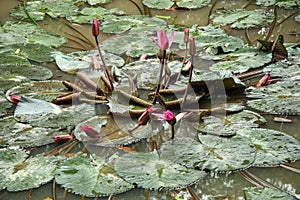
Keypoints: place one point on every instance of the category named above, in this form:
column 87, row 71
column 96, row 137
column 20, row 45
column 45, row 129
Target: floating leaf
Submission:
column 32, row 173
column 130, row 45
column 87, row 14
column 297, row 18
column 273, row 147
column 112, row 132
column 90, row 177
column 287, row 4
column 193, row 3
column 94, row 2
column 230, row 124
column 213, row 153
column 139, row 24
column 9, row 157
column 43, row 90
column 242, row 18
column 38, row 9
column 23, row 32
column 266, row 194
column 149, row 171
column 158, row 4
column 280, row 97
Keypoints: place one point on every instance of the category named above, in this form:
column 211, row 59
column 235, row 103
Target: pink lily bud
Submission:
column 281, row 119
column 186, row 35
column 90, row 131
column 167, row 116
column 144, row 118
column 60, row 139
column 265, row 80
column 15, row 99
column 143, row 56
column 192, row 47
column 162, row 40
column 95, row 28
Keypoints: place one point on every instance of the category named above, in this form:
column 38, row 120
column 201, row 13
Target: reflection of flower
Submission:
column 162, row 40
column 95, row 28
column 90, row 131
column 60, row 139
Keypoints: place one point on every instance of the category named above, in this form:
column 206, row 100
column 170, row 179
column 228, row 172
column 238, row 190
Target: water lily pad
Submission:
column 139, row 24
column 149, row 171
column 213, row 153
column 87, row 14
column 242, row 18
column 9, row 157
column 38, row 9
column 91, row 177
column 230, row 124
column 266, row 194
column 297, row 18
column 193, row 3
column 287, row 4
column 131, row 45
column 23, row 32
column 94, row 2
column 29, row 72
column 273, row 147
column 83, row 60
column 43, row 90
column 158, row 4
column 112, row 132
column 278, row 98
column 32, row 173
column 29, row 109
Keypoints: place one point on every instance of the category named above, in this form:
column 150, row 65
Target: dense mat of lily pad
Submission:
column 95, row 2
column 242, row 18
column 273, row 147
column 213, row 153
column 90, row 176
column 278, row 98
column 32, row 173
column 24, row 32
column 266, row 194
column 165, row 4
column 43, row 90
column 287, row 4
column 150, row 171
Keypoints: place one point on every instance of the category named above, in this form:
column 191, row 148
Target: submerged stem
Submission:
column 163, row 60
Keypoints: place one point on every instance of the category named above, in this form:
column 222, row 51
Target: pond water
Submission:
column 215, row 186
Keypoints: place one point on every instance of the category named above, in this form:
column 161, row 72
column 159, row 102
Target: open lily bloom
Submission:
column 169, row 116
column 162, row 40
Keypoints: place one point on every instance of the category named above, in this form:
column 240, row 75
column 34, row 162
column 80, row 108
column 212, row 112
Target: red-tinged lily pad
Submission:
column 273, row 147
column 150, row 171
column 90, row 176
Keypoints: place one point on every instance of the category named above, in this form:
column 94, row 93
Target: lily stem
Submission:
column 163, row 60
column 173, row 131
column 189, row 81
column 104, row 65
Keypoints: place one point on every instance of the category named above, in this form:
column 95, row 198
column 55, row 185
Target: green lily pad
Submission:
column 158, row 4
column 83, row 60
column 38, row 9
column 287, row 4
column 23, row 32
column 14, row 133
column 32, row 173
column 11, row 156
column 4, row 106
column 29, row 72
column 43, row 90
column 130, row 45
column 149, row 171
column 273, row 147
column 242, row 18
column 193, row 3
column 266, row 194
column 213, row 153
column 112, row 132
column 278, row 98
column 297, row 18
column 94, row 2
column 230, row 124
column 139, row 24
column 87, row 14
column 91, row 177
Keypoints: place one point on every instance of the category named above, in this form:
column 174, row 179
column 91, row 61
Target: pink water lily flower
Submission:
column 162, row 40
column 90, row 131
column 14, row 99
column 144, row 118
column 265, row 80
column 60, row 139
column 95, row 28
column 186, row 35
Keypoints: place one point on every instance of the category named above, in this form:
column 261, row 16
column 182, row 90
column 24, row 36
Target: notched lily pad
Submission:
column 213, row 153
column 91, row 177
column 149, row 171
column 266, row 194
column 287, row 4
column 242, row 18
column 273, row 147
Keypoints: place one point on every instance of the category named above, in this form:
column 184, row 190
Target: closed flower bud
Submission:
column 60, row 139
column 144, row 118
column 95, row 28
column 90, row 131
column 186, row 35
column 192, row 47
